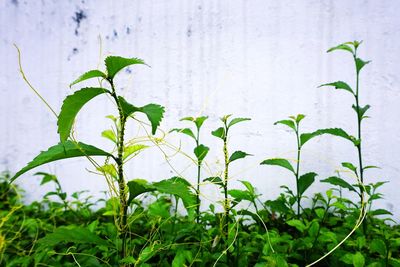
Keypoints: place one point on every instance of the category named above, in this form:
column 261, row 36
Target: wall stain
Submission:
column 14, row 2
column 189, row 31
column 79, row 16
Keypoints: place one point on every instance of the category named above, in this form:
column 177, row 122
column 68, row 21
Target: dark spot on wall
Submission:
column 115, row 34
column 139, row 19
column 14, row 2
column 79, row 16
column 189, row 31
column 199, row 7
column 128, row 70
column 75, row 50
column 128, row 30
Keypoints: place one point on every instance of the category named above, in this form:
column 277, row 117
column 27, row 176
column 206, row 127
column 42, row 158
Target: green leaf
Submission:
column 199, row 121
column 237, row 120
column 214, row 180
column 46, row 177
column 114, row 64
column 201, row 152
column 249, row 187
column 361, row 111
column 110, row 135
column 279, row 162
column 133, row 149
column 339, row 182
column 360, row 64
column 182, row 257
column 358, row 260
column 305, row 181
column 240, row 195
column 138, row 187
column 339, row 85
column 341, row 47
column 333, row 131
column 313, row 229
column 378, row 246
column 220, row 133
column 349, row 166
column 299, row 118
column 178, row 187
column 289, row 123
column 186, row 131
column 65, row 150
column 89, row 75
column 299, row 225
column 77, row 235
column 238, row 155
column 71, row 106
column 380, row 212
column 109, row 169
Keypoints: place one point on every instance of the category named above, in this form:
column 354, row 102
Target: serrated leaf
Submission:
column 46, row 177
column 305, row 181
column 138, row 187
column 339, row 182
column 65, row 150
column 358, row 260
column 237, row 120
column 220, row 133
column 110, row 135
column 339, row 85
column 133, row 149
column 360, row 64
column 238, row 155
column 89, row 75
column 186, row 131
column 77, row 235
column 341, row 47
column 289, row 123
column 378, row 246
column 279, row 162
column 201, row 152
column 333, row 131
column 214, row 180
column 115, row 63
column 299, row 225
column 71, row 106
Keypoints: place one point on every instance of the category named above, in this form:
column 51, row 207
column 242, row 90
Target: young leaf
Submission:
column 289, row 123
column 71, row 106
column 360, row 64
column 339, row 182
column 279, row 162
column 220, row 133
column 237, row 120
column 46, row 177
column 358, row 260
column 299, row 118
column 380, row 212
column 339, row 85
column 110, row 135
column 240, row 195
column 108, row 169
column 65, row 150
column 89, row 75
column 333, row 131
column 305, row 181
column 238, row 155
column 299, row 225
column 114, row 64
column 214, row 180
column 378, row 246
column 186, row 131
column 133, row 149
column 201, row 152
column 341, row 47
column 349, row 166
column 249, row 186
column 137, row 187
column 199, row 121
column 78, row 235
column 361, row 110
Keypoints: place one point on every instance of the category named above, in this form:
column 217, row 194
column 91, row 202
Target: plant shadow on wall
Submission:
column 138, row 223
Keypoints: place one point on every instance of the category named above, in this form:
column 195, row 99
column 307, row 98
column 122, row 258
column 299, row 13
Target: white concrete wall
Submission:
column 258, row 59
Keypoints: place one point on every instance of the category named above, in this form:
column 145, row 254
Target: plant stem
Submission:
column 226, row 200
column 121, row 181
column 198, row 180
column 298, row 169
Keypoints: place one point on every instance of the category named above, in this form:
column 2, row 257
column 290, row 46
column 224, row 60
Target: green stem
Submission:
column 198, row 181
column 226, row 200
column 297, row 170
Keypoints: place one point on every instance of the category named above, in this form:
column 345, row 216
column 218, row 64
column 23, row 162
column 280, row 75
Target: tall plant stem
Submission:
column 122, row 220
column 198, row 181
column 298, row 170
column 226, row 200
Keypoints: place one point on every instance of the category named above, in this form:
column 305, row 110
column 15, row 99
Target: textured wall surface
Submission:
column 258, row 59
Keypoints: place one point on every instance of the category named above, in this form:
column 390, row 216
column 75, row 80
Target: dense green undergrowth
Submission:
column 139, row 223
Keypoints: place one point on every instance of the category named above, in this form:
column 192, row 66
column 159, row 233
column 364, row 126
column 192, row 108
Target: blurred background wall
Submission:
column 258, row 59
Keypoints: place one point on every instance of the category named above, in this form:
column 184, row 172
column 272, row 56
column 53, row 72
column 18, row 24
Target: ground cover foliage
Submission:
column 138, row 223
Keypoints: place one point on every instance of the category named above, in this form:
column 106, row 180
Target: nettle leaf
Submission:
column 153, row 112
column 77, row 235
column 114, row 64
column 237, row 120
column 358, row 260
column 360, row 64
column 186, row 131
column 361, row 110
column 65, row 150
column 240, row 195
column 299, row 225
column 138, row 187
column 333, row 131
column 133, row 149
column 289, row 123
column 341, row 47
column 201, row 152
column 339, row 85
column 46, row 177
column 181, row 188
column 214, row 180
column 110, row 135
column 305, row 181
column 71, row 106
column 339, row 182
column 220, row 133
column 89, row 75
column 349, row 166
column 279, row 162
column 378, row 246
column 238, row 155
